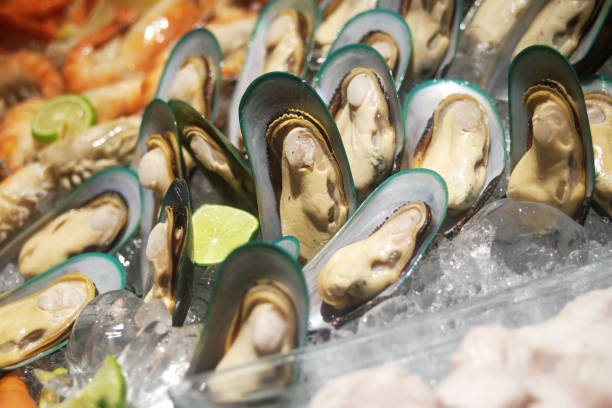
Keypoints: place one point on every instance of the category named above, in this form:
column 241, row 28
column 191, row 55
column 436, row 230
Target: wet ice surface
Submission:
column 10, row 277
column 129, row 257
column 505, row 245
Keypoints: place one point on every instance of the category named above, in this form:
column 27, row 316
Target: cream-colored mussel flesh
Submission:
column 430, row 24
column 559, row 25
column 456, row 145
column 165, row 245
column 312, row 202
column 386, row 47
column 494, row 19
column 334, row 17
column 361, row 113
column 195, row 83
column 360, row 271
column 215, row 159
column 286, row 45
column 160, row 165
column 265, row 324
column 94, row 226
column 599, row 109
column 43, row 318
column 552, row 170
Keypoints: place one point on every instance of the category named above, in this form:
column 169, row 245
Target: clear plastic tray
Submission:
column 422, row 345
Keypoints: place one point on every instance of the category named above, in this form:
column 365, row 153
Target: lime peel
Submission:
column 218, row 230
column 61, row 116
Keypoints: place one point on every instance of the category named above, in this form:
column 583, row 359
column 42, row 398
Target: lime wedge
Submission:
column 62, row 116
column 107, row 389
column 218, row 230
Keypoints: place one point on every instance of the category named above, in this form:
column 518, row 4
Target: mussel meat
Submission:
column 361, row 112
column 456, row 145
column 166, row 244
column 195, row 83
column 552, row 170
column 94, row 225
column 307, row 180
column 286, row 43
column 160, row 165
column 43, row 318
column 386, row 46
column 362, row 270
column 599, row 110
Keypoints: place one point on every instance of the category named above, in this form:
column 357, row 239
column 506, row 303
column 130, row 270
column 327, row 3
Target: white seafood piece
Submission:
column 460, row 124
column 195, row 83
column 599, row 109
column 559, row 25
column 494, row 19
column 161, row 164
column 363, row 269
column 20, row 193
column 552, row 170
column 335, row 15
column 287, row 43
column 38, row 320
column 94, row 225
column 363, row 119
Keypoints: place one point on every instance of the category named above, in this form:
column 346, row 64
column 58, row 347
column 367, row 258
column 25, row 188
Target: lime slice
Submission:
column 107, row 389
column 61, row 116
column 218, row 230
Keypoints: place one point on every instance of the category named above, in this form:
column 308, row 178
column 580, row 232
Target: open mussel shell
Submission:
column 240, row 194
column 419, row 108
column 401, row 188
column 200, row 42
column 531, row 66
column 339, row 64
column 119, row 180
column 246, row 265
column 455, row 31
column 266, row 98
column 290, row 245
column 105, row 272
column 379, row 21
column 254, row 62
column 598, row 94
column 178, row 202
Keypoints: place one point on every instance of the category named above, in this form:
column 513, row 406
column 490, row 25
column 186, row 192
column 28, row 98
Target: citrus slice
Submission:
column 107, row 389
column 218, row 230
column 62, row 116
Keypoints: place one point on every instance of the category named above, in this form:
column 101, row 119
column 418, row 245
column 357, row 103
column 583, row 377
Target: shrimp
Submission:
column 22, row 20
column 24, row 74
column 118, row 99
column 17, row 146
column 106, row 56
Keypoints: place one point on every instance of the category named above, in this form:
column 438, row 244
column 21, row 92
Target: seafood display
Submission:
column 359, row 141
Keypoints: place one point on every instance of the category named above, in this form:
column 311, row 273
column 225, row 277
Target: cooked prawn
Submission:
column 23, row 20
column 25, row 74
column 107, row 56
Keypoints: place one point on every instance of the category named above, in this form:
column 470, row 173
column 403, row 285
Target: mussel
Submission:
column 287, row 42
column 312, row 204
column 552, row 170
column 42, row 318
column 93, row 225
column 259, row 307
column 302, row 177
column 360, row 271
column 374, row 252
column 385, row 45
column 169, row 249
column 161, row 164
column 36, row 317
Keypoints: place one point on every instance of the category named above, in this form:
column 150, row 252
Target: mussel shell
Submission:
column 397, row 190
column 265, row 98
column 243, row 267
column 529, row 67
column 419, row 107
column 178, row 200
column 290, row 245
column 200, row 42
column 254, row 60
column 105, row 272
column 339, row 64
column 379, row 20
column 120, row 180
column 222, row 194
